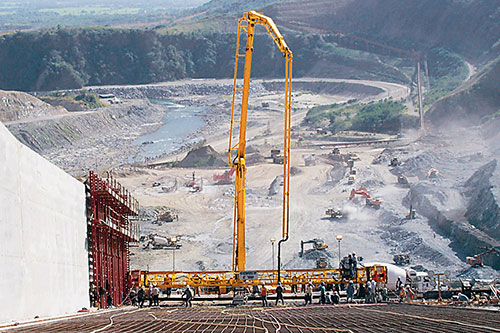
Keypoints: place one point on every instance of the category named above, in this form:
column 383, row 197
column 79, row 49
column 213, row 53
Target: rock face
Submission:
column 470, row 219
column 16, row 106
column 483, row 210
column 52, row 133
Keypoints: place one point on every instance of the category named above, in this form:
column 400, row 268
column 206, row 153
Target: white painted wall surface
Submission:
column 43, row 256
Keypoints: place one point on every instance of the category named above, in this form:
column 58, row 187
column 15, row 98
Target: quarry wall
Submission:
column 43, row 229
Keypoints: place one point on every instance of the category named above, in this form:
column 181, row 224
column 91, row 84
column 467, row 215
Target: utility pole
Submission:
column 419, row 92
column 272, row 240
column 339, row 238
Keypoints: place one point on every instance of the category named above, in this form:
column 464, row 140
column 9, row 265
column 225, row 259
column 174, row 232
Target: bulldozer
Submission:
column 318, row 244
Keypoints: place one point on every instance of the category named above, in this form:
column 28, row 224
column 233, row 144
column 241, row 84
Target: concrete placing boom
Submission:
column 247, row 24
column 238, row 277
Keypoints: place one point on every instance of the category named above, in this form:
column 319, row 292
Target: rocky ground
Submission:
column 455, row 211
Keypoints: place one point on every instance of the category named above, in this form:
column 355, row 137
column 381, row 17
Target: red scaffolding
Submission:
column 110, row 210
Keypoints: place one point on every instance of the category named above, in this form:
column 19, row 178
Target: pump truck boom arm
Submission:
column 247, row 24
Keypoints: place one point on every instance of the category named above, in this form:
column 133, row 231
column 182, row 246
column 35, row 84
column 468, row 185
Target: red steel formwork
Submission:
column 110, row 208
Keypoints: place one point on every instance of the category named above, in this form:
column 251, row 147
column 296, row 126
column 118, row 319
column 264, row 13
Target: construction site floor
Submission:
column 290, row 318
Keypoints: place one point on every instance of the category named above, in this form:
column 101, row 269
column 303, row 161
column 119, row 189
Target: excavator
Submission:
column 477, row 260
column 371, row 202
column 318, row 244
column 238, row 276
column 224, row 178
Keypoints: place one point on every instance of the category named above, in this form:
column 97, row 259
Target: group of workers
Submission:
column 349, row 266
column 138, row 295
column 370, row 292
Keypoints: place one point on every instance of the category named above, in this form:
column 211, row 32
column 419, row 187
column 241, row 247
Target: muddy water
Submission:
column 180, row 125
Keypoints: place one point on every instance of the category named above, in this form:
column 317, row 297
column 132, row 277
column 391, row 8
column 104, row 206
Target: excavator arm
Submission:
column 247, row 25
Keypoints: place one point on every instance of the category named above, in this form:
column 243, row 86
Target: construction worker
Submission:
column 132, row 295
column 150, row 295
column 350, row 291
column 373, row 291
column 354, row 266
column 399, row 284
column 335, row 297
column 322, row 291
column 279, row 294
column 309, row 293
column 189, row 296
column 402, row 294
column 156, row 296
column 263, row 294
column 141, row 295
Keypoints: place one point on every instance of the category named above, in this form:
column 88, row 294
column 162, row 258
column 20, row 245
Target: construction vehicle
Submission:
column 161, row 242
column 371, row 202
column 224, row 178
column 336, row 151
column 334, row 213
column 411, row 214
column 401, row 259
column 166, row 217
column 477, row 260
column 234, row 277
column 395, row 162
column 402, row 180
column 195, row 187
column 318, row 244
column 351, row 179
column 420, row 282
column 432, row 173
column 321, row 262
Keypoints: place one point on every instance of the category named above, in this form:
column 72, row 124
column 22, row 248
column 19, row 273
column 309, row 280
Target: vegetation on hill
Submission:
column 448, row 73
column 72, row 58
column 386, row 116
column 84, row 99
column 475, row 103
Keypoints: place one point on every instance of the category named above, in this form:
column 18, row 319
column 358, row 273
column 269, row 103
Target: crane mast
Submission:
column 247, row 24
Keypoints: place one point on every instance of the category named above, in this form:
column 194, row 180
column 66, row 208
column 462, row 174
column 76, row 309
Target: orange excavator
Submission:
column 371, row 202
column 477, row 260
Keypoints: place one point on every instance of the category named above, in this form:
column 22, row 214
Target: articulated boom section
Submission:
column 224, row 279
column 247, row 24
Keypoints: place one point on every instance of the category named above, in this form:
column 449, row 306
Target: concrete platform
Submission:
column 290, row 318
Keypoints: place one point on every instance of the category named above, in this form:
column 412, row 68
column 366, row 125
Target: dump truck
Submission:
column 333, row 213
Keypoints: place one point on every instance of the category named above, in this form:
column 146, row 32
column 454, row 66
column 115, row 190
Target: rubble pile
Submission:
column 204, row 156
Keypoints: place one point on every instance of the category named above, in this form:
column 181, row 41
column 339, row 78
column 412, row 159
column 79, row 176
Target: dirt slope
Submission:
column 15, row 105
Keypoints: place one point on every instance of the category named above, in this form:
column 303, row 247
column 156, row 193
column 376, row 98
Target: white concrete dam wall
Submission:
column 43, row 257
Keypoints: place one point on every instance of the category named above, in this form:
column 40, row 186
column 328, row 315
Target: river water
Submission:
column 180, row 124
